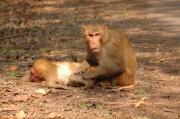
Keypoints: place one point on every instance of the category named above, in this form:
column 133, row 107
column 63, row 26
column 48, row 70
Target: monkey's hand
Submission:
column 79, row 73
column 84, row 65
column 90, row 73
column 77, row 80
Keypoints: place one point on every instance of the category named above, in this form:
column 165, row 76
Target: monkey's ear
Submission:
column 83, row 27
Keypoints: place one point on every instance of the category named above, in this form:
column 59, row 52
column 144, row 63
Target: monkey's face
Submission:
column 93, row 36
column 93, row 41
column 35, row 76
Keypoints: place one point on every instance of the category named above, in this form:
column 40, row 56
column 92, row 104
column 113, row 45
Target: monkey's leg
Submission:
column 125, row 80
column 57, row 85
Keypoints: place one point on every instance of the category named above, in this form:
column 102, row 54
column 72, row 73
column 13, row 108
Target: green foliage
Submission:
column 11, row 52
column 13, row 74
column 138, row 91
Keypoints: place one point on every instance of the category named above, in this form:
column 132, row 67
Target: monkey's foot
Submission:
column 60, row 86
column 122, row 88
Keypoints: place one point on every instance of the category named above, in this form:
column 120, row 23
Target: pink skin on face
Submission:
column 94, row 41
column 35, row 76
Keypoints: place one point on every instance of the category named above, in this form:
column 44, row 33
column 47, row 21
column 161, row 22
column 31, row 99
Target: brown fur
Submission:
column 115, row 57
column 52, row 73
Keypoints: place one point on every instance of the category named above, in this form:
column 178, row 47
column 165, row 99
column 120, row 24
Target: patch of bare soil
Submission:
column 51, row 28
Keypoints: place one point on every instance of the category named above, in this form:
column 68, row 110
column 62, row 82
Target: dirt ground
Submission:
column 51, row 28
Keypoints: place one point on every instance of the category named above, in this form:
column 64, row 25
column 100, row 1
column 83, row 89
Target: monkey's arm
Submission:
column 84, row 65
column 110, row 65
column 81, row 69
column 98, row 71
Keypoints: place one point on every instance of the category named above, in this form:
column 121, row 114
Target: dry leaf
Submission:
column 140, row 103
column 41, row 91
column 21, row 115
column 52, row 115
column 20, row 98
column 144, row 98
column 13, row 67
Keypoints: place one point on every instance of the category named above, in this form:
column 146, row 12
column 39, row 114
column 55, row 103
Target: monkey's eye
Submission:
column 97, row 34
column 90, row 35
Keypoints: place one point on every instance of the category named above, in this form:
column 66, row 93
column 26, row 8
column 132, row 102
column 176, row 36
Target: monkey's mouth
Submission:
column 95, row 50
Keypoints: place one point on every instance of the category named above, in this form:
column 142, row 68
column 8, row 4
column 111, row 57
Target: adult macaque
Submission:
column 55, row 73
column 109, row 54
